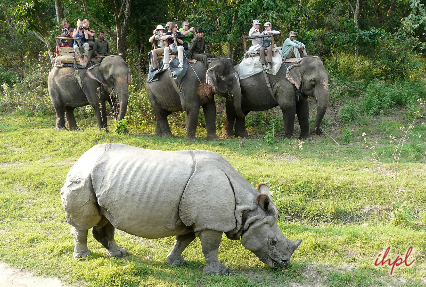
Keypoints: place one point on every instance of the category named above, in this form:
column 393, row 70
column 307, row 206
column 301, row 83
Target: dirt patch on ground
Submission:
column 13, row 277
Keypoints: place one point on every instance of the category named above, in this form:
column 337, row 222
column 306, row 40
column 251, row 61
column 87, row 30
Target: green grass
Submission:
column 348, row 202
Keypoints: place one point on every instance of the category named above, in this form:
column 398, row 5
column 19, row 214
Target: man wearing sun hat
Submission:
column 254, row 31
column 293, row 48
column 160, row 48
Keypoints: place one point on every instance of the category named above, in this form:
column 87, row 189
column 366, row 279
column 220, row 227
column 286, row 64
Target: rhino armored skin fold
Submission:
column 155, row 194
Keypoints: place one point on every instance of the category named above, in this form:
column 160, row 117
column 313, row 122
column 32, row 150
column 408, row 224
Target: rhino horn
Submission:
column 296, row 244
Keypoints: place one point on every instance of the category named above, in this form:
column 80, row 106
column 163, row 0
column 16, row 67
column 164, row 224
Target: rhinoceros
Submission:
column 155, row 194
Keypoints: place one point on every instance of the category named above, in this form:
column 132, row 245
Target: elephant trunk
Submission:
column 322, row 96
column 122, row 91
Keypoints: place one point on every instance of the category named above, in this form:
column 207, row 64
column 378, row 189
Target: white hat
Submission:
column 257, row 22
column 267, row 24
column 159, row 27
column 292, row 33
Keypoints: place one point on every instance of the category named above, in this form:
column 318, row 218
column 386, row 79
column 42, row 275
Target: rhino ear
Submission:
column 263, row 188
column 264, row 202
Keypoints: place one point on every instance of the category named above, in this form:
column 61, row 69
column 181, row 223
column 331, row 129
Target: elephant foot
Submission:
column 215, row 268
column 74, row 128
column 175, row 260
column 212, row 137
column 304, row 136
column 190, row 139
column 117, row 252
column 242, row 134
column 318, row 131
column 227, row 135
column 166, row 134
column 81, row 254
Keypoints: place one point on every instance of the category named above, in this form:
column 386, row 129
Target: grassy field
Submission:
column 350, row 195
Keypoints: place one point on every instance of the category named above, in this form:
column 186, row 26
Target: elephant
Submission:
column 193, row 93
column 156, row 194
column 289, row 89
column 70, row 87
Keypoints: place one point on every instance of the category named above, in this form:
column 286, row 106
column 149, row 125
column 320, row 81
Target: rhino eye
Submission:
column 272, row 242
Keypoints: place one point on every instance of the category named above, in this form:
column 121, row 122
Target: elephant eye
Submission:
column 272, row 242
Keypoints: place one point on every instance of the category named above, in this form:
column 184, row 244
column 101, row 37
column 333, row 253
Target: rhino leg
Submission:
column 80, row 243
column 175, row 256
column 210, row 241
column 104, row 233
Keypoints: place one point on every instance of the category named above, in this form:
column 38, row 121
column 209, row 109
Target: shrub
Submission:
column 7, row 77
column 30, row 95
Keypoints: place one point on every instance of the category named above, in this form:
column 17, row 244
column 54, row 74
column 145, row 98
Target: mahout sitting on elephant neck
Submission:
column 155, row 194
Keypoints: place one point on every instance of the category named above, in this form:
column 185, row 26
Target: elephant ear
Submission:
column 95, row 73
column 211, row 77
column 294, row 76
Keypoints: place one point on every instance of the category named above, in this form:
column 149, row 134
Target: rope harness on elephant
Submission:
column 172, row 79
column 177, row 89
column 268, row 84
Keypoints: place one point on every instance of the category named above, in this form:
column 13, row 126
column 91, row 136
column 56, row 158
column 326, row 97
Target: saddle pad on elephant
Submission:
column 68, row 61
column 251, row 65
column 177, row 72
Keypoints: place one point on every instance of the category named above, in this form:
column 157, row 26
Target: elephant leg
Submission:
column 209, row 109
column 302, row 111
column 191, row 123
column 103, row 232
column 288, row 118
column 60, row 119
column 72, row 124
column 162, row 128
column 210, row 241
column 80, row 243
column 175, row 256
column 228, row 126
column 240, row 127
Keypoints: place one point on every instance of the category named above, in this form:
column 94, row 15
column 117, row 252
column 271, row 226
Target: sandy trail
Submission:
column 13, row 277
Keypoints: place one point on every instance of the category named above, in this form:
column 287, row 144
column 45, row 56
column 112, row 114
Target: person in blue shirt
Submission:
column 79, row 33
column 293, row 48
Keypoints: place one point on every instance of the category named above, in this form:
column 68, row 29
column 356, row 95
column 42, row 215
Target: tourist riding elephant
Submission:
column 290, row 90
column 71, row 87
column 193, row 92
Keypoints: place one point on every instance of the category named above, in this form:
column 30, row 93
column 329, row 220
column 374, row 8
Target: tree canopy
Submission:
column 28, row 27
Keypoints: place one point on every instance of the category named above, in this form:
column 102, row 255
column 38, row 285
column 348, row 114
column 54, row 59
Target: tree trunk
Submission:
column 356, row 13
column 59, row 11
column 121, row 15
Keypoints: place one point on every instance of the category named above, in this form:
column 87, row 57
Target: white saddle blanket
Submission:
column 251, row 64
